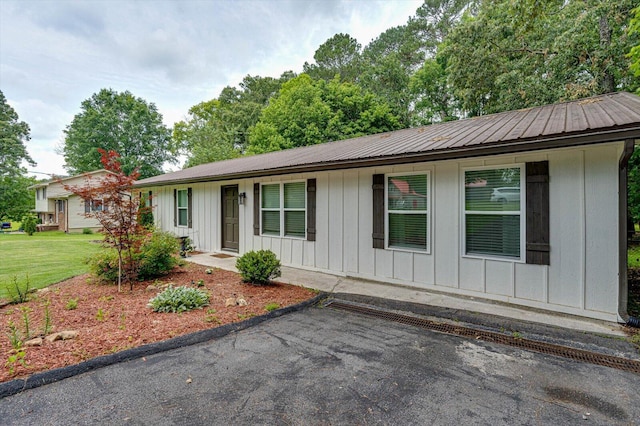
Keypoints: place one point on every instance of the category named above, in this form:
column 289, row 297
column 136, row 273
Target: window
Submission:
column 91, row 206
column 182, row 207
column 493, row 212
column 60, row 206
column 407, row 211
column 283, row 209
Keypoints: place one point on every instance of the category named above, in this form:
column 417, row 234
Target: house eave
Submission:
column 512, row 147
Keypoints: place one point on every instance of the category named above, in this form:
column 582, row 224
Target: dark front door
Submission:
column 230, row 218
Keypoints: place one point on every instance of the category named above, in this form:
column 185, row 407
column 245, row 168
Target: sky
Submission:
column 174, row 54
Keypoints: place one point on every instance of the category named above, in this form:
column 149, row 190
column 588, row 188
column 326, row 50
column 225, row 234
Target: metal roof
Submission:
column 598, row 119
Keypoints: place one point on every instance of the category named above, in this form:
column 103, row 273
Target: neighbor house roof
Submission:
column 598, row 119
column 65, row 178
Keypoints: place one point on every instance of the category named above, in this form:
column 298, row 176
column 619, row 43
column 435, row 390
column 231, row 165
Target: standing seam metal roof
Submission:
column 610, row 117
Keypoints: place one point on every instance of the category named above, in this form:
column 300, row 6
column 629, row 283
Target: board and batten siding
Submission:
column 582, row 277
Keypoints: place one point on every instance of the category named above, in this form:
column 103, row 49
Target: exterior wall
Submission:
column 582, row 277
column 75, row 216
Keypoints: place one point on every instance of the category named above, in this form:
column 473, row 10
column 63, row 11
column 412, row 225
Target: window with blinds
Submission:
column 283, row 209
column 407, row 211
column 493, row 212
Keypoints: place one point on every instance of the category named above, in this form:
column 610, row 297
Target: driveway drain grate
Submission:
column 489, row 336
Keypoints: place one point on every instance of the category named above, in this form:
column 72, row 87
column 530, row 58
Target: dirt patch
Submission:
column 108, row 321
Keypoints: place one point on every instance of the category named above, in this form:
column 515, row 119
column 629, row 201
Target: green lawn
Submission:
column 47, row 257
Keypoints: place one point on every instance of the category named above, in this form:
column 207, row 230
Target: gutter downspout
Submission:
column 623, row 289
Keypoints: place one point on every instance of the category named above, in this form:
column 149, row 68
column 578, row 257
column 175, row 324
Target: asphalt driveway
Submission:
column 322, row 366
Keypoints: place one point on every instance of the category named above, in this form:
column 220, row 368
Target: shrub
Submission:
column 87, row 231
column 158, row 255
column 179, row 299
column 29, row 224
column 104, row 265
column 258, row 267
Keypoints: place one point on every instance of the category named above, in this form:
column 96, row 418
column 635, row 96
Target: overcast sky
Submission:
column 175, row 54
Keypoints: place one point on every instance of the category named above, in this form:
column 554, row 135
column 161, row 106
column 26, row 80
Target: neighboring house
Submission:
column 59, row 209
column 427, row 207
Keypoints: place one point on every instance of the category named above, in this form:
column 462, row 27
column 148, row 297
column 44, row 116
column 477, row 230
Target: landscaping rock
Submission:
column 34, row 342
column 62, row 335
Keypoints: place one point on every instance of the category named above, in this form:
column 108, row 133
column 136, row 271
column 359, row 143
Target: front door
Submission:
column 230, row 218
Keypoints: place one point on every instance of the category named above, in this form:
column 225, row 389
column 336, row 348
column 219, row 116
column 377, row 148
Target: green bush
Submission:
column 29, row 224
column 158, row 255
column 258, row 267
column 179, row 299
column 104, row 265
column 87, row 231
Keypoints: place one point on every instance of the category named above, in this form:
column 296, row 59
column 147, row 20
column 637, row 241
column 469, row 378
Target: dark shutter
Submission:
column 256, row 209
column 538, row 213
column 87, row 206
column 311, row 209
column 175, row 207
column 150, row 197
column 189, row 208
column 378, row 211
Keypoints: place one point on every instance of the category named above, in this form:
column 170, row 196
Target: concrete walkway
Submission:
column 337, row 284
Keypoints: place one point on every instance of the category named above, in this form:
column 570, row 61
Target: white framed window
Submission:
column 283, row 209
column 494, row 212
column 182, row 207
column 407, row 211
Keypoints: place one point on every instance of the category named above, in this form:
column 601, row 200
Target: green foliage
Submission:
column 179, row 299
column 101, row 315
column 122, row 123
column 87, row 231
column 26, row 321
column 258, row 267
column 18, row 357
column 307, row 112
column 15, row 199
column 29, row 224
column 219, row 129
column 157, row 255
column 18, row 291
column 515, row 55
column 71, row 304
column 272, row 306
column 14, row 336
column 339, row 55
column 48, row 323
column 634, row 52
column 104, row 265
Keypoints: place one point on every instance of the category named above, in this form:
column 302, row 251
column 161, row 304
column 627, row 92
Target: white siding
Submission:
column 582, row 277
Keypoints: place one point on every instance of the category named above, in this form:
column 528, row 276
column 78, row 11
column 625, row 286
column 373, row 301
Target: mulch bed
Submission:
column 108, row 321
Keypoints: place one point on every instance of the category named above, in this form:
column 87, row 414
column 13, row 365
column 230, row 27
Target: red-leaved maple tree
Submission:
column 109, row 199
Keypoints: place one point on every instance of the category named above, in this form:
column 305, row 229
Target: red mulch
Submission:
column 108, row 321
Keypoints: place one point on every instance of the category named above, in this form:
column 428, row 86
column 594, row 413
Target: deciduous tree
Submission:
column 117, row 213
column 15, row 198
column 122, row 123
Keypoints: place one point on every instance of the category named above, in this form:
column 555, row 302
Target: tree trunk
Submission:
column 607, row 83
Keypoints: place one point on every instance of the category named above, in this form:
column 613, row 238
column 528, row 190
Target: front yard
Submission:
column 44, row 258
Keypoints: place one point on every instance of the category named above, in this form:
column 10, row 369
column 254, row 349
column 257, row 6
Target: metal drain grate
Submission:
column 489, row 336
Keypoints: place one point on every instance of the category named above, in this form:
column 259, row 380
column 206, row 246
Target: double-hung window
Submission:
column 282, row 209
column 494, row 212
column 407, row 211
column 182, row 207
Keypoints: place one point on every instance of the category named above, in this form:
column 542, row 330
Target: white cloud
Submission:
column 55, row 54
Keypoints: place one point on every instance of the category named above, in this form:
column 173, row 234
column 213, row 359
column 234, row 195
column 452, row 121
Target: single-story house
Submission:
column 526, row 207
column 60, row 209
